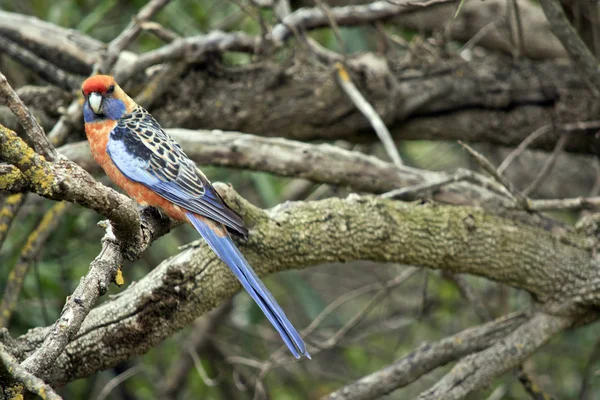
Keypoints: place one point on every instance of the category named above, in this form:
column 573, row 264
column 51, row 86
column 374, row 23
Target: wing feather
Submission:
column 146, row 154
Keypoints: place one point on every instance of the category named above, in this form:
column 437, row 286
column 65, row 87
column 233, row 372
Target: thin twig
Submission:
column 128, row 35
column 334, row 26
column 516, row 38
column 164, row 34
column 343, row 78
column 35, row 132
column 577, row 203
column 277, row 359
column 548, row 165
column 117, row 380
column 588, row 372
column 467, row 292
column 533, row 390
column 489, row 168
column 10, row 207
column 197, row 341
column 541, row 131
column 538, row 133
column 461, row 175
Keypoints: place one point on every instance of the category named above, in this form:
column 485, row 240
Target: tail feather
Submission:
column 227, row 251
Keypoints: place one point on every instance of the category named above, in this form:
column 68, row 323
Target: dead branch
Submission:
column 35, row 132
column 476, row 370
column 428, row 357
column 581, row 55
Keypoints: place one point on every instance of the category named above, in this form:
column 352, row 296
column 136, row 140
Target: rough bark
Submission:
column 491, row 99
column 558, row 269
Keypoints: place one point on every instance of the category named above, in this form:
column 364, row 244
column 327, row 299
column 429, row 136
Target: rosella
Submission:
column 146, row 162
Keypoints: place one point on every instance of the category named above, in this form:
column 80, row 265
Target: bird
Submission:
column 152, row 168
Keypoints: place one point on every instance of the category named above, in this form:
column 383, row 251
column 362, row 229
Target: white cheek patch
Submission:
column 95, row 100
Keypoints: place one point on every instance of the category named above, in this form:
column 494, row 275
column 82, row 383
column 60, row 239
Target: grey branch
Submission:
column 35, row 132
column 312, row 18
column 428, row 357
column 477, row 370
column 21, row 375
column 471, row 109
column 129, row 34
column 329, row 164
column 456, row 239
column 583, row 58
column 323, row 163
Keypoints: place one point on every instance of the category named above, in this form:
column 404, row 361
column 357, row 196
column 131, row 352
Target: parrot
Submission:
column 152, row 168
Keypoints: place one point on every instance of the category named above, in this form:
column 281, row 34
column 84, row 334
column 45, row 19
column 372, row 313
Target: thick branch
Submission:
column 560, row 272
column 492, row 99
column 65, row 180
column 329, row 164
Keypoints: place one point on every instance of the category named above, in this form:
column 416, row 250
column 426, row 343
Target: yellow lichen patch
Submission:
column 9, row 179
column 8, row 211
column 15, row 392
column 13, row 199
column 15, row 151
column 342, row 73
column 119, row 277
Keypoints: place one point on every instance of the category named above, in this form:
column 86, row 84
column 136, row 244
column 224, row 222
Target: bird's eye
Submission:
column 111, row 89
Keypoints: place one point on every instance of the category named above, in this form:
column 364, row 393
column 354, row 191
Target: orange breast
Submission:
column 98, row 134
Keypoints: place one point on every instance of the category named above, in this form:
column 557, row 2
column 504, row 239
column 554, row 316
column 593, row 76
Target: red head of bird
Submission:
column 104, row 99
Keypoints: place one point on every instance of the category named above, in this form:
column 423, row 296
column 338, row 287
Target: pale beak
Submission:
column 95, row 100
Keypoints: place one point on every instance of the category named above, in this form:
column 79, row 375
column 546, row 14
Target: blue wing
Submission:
column 146, row 154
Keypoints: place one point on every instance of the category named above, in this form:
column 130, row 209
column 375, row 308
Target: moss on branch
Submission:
column 557, row 269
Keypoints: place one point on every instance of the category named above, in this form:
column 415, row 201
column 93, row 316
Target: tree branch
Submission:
column 35, row 132
column 577, row 49
column 64, row 180
column 428, row 357
column 322, row 163
column 477, row 370
column 559, row 272
column 21, row 375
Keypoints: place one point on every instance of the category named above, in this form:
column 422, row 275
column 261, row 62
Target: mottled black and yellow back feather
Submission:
column 180, row 180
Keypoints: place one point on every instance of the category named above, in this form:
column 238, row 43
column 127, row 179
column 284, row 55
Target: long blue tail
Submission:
column 229, row 253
